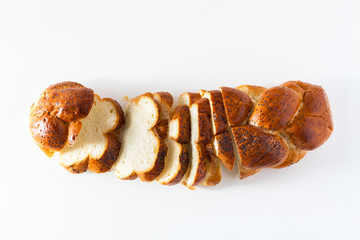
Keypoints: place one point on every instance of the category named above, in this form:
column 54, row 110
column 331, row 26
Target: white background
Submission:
column 129, row 47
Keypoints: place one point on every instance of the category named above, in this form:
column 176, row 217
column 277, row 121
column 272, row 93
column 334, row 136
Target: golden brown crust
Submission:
column 224, row 149
column 237, row 105
column 105, row 162
column 202, row 166
column 275, row 108
column 181, row 114
column 313, row 124
column 217, row 110
column 310, row 132
column 254, row 92
column 204, row 121
column 258, row 149
column 50, row 133
column 74, row 130
column 57, row 106
column 158, row 164
column 184, row 162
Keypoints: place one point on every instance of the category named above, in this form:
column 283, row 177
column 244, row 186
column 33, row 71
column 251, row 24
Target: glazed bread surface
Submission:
column 54, row 116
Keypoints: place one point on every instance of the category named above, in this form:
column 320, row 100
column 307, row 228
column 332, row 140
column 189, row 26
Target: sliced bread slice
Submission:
column 218, row 114
column 197, row 168
column 177, row 157
column 96, row 147
column 176, row 163
column 223, row 147
column 200, row 116
column 200, row 136
column 238, row 106
column 254, row 92
column 143, row 151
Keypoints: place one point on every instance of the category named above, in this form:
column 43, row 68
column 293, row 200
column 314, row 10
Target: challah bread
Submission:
column 68, row 120
column 143, row 151
column 96, row 147
column 250, row 126
column 177, row 157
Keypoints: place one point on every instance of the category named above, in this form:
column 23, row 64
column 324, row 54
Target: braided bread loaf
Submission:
column 250, row 126
column 286, row 121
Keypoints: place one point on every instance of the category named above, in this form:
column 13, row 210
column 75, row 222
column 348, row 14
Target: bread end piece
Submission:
column 313, row 123
column 58, row 105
